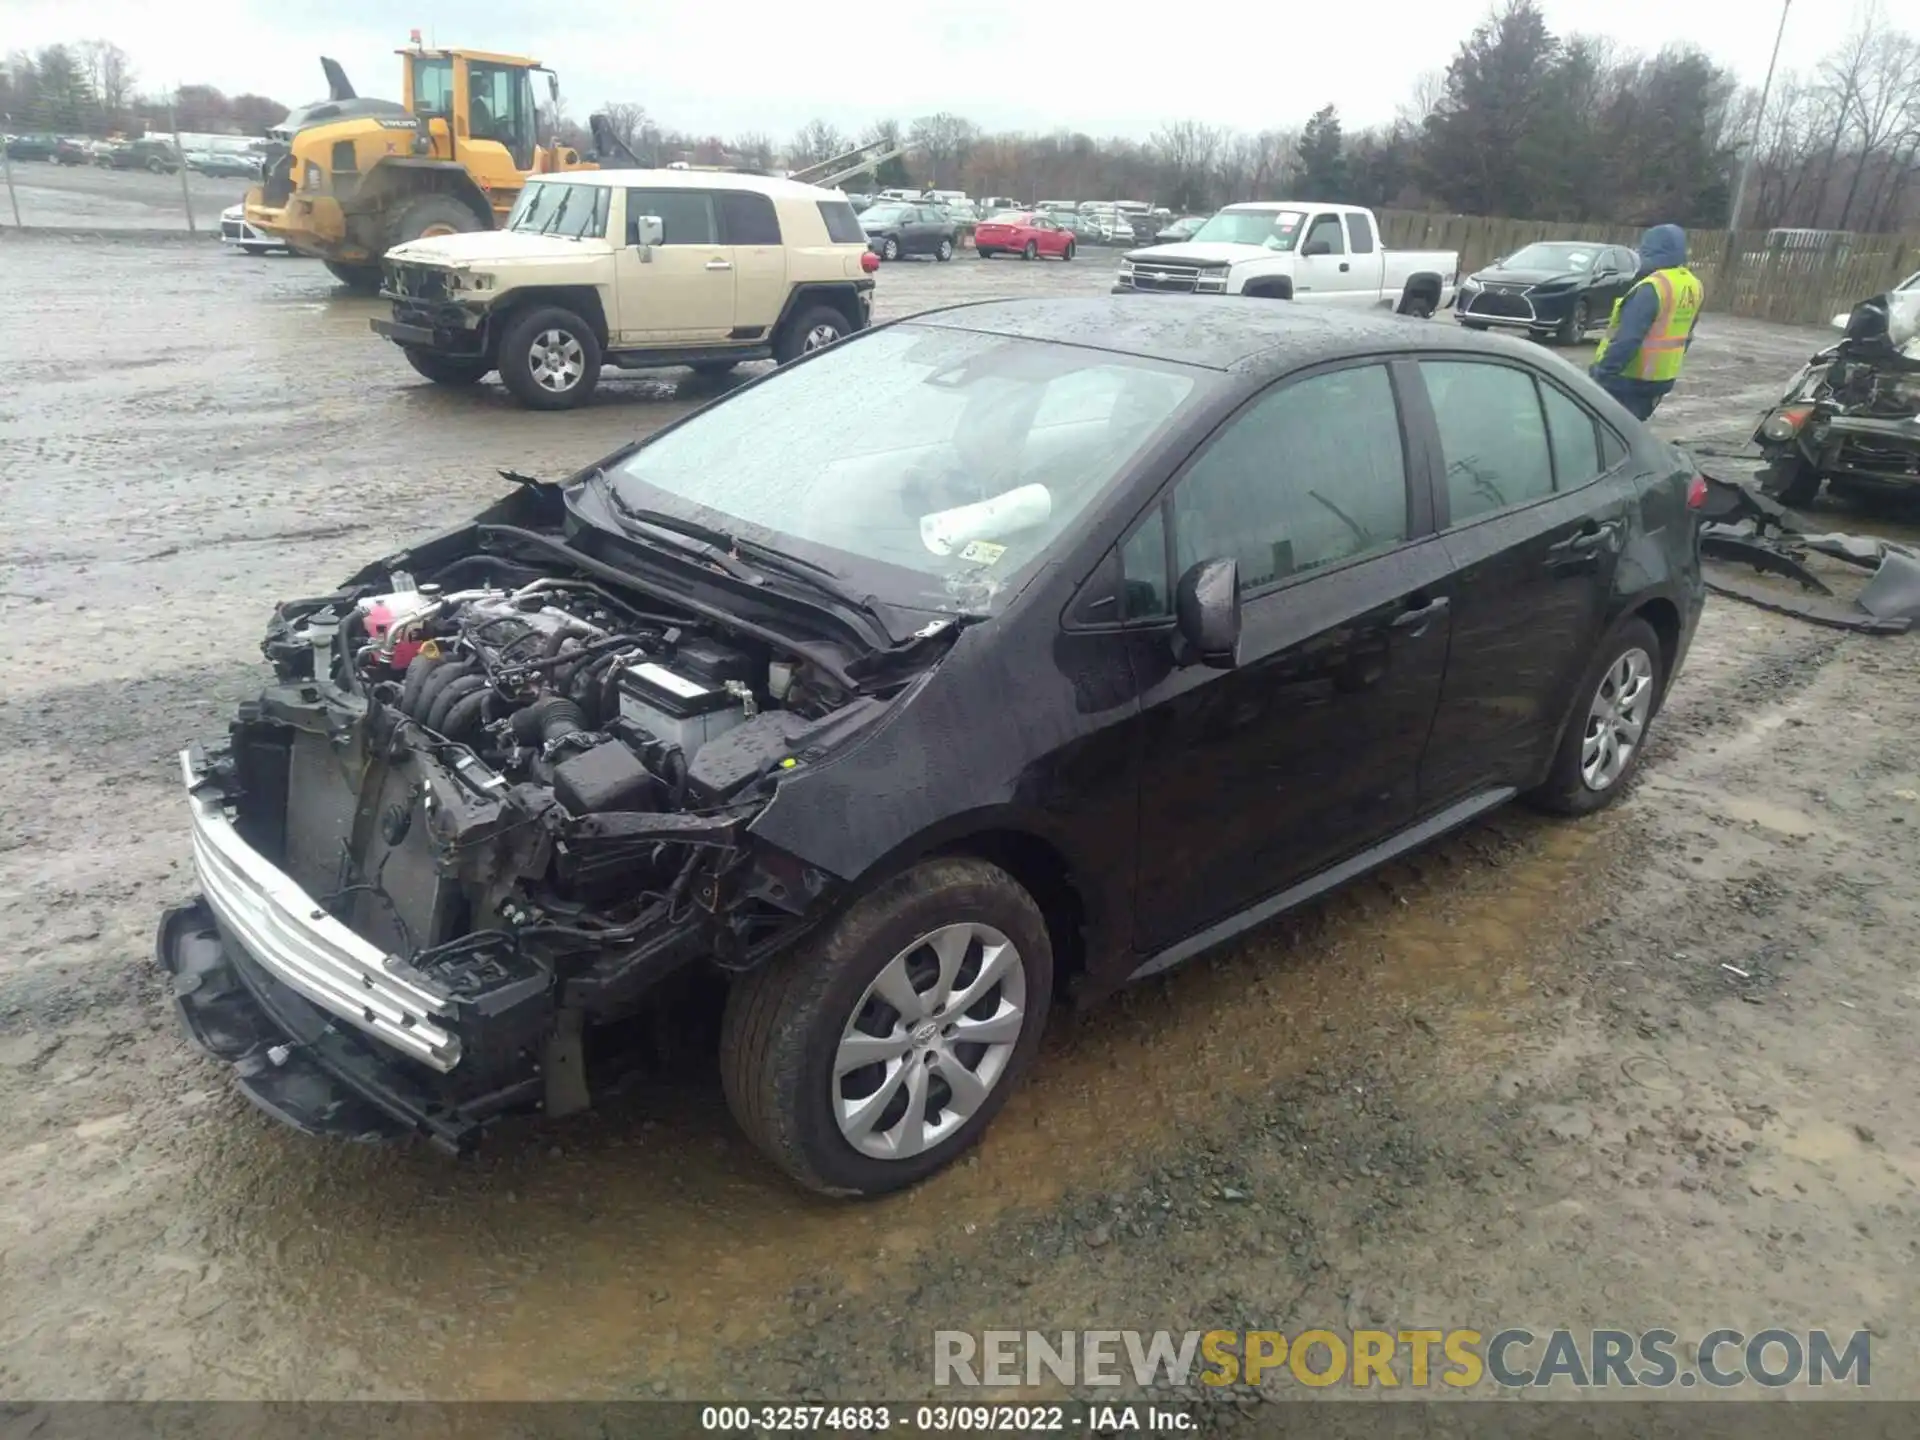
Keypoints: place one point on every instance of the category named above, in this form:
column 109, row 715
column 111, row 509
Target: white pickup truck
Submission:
column 1295, row 250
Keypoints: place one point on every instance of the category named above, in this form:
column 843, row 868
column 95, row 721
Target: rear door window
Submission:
column 747, row 219
column 1575, row 440
column 1359, row 233
column 1493, row 436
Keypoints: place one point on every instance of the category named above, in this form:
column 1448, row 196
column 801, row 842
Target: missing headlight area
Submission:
column 479, row 812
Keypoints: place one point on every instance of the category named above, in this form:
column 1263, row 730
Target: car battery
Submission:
column 676, row 708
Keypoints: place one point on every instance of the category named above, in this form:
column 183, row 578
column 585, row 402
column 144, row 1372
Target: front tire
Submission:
column 945, row 252
column 890, row 250
column 1791, row 480
column 1606, row 734
column 812, row 329
column 1032, row 252
column 880, row 1050
column 550, row 358
column 1067, row 254
column 1574, row 328
column 457, row 370
column 360, row 279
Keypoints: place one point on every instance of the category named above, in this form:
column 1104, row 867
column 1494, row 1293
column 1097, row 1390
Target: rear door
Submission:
column 1534, row 523
column 1256, row 777
column 680, row 291
column 750, row 229
column 1322, row 271
column 1367, row 280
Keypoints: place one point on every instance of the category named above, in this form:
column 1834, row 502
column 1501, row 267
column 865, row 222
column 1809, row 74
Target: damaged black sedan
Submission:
column 1006, row 653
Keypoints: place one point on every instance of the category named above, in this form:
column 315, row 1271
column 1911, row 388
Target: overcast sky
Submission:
column 1115, row 68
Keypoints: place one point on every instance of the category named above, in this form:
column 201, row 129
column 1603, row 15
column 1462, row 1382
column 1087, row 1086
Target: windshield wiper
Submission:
column 724, row 550
column 560, row 209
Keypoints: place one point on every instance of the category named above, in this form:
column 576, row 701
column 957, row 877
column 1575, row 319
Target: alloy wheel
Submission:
column 819, row 337
column 1617, row 719
column 929, row 1040
column 556, row 361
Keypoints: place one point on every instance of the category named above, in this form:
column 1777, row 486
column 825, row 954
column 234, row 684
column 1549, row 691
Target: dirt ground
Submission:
column 1650, row 1069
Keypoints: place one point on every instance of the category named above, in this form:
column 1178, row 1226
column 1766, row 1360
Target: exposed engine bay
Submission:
column 513, row 800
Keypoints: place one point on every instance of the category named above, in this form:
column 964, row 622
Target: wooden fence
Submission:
column 1795, row 279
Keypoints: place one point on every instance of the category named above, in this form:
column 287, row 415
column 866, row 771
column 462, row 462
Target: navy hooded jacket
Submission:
column 1661, row 248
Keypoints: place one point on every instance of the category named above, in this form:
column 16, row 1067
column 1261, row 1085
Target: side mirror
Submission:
column 553, row 88
column 1206, row 615
column 649, row 231
column 1318, row 247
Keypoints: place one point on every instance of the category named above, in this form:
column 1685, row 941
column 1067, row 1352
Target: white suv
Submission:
column 631, row 268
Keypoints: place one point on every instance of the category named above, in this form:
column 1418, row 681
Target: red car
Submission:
column 1027, row 235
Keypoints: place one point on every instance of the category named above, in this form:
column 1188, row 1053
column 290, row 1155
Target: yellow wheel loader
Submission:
column 348, row 178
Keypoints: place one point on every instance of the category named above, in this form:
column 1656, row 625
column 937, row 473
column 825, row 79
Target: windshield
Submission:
column 1552, row 257
column 927, row 466
column 1275, row 229
column 562, row 207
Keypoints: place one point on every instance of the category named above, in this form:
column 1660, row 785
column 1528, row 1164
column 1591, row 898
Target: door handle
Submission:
column 1418, row 617
column 1343, row 267
column 1593, row 537
column 719, row 264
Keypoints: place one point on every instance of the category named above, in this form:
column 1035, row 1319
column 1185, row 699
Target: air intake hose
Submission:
column 548, row 719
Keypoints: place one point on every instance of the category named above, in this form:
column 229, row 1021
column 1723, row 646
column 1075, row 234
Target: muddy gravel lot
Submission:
column 1651, row 1069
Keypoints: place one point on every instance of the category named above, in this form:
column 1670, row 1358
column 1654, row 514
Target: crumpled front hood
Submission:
column 1210, row 252
column 494, row 247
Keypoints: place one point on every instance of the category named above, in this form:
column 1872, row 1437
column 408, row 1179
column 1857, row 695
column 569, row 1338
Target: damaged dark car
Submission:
column 993, row 657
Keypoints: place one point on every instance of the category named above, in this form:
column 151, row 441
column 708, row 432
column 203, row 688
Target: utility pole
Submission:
column 186, row 196
column 1759, row 114
column 6, row 164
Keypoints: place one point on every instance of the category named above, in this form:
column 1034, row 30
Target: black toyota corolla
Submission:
column 1011, row 652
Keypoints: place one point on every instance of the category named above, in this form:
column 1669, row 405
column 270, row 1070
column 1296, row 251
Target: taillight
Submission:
column 869, row 261
column 1697, row 493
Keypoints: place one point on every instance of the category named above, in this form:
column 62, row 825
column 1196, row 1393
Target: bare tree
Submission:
column 816, row 141
column 1188, row 151
column 943, row 141
column 109, row 70
column 755, row 149
column 1887, row 100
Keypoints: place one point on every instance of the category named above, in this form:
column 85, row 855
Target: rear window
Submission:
column 843, row 226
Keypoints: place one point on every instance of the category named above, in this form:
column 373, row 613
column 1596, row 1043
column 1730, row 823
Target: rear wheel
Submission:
column 1791, row 480
column 986, row 254
column 1416, row 304
column 812, row 329
column 1067, row 254
column 890, row 250
column 1607, row 732
column 361, row 279
column 877, row 1052
column 433, row 215
column 550, row 358
column 945, row 252
column 154, row 166
column 447, row 369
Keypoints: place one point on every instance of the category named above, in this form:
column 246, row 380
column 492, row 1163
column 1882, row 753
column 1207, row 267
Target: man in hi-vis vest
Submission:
column 1652, row 325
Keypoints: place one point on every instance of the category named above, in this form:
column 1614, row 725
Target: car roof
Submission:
column 698, row 180
column 1264, row 336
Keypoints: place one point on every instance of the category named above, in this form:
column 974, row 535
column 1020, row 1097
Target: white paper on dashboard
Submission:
column 944, row 531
